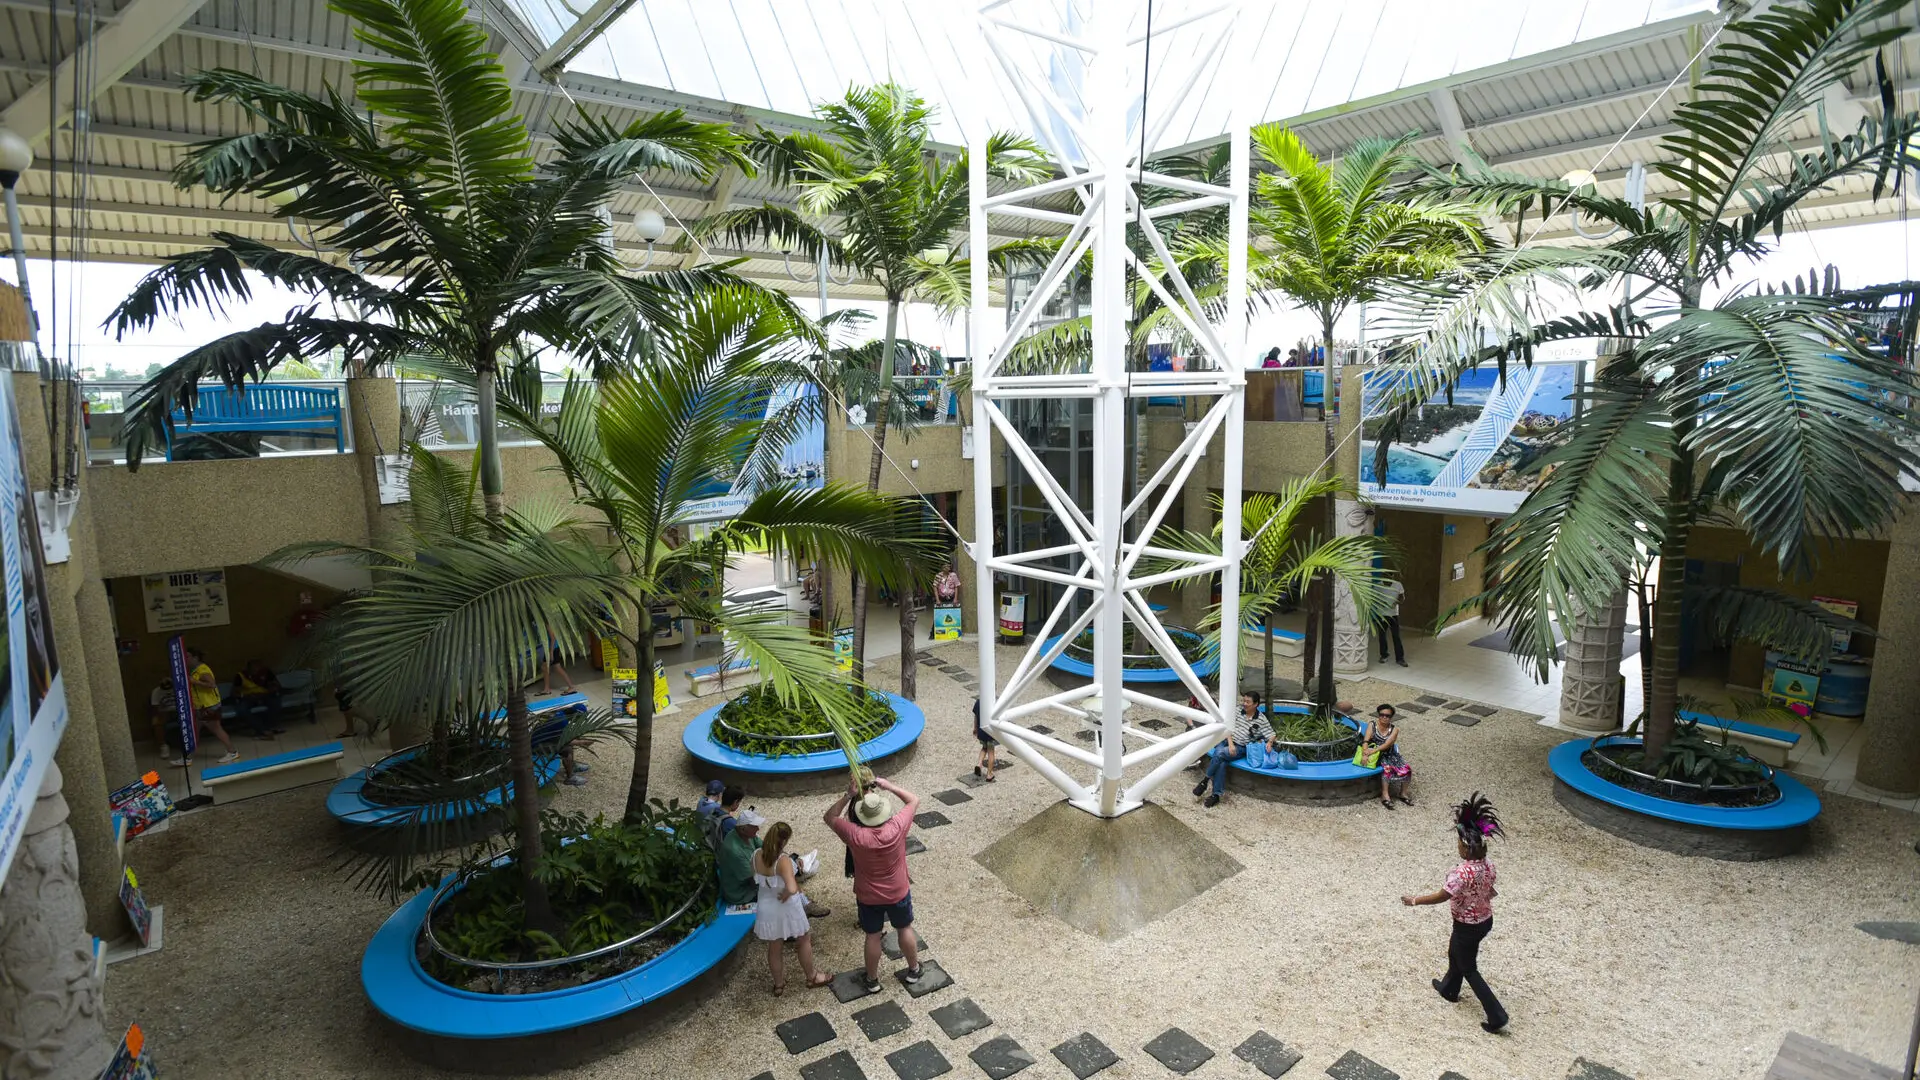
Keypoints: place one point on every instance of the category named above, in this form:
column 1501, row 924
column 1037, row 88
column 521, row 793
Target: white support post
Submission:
column 1107, row 139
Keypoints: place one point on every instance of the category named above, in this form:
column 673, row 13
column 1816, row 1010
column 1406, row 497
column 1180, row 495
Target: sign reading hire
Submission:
column 185, row 600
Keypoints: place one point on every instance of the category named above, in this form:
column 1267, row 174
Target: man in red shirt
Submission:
column 877, row 838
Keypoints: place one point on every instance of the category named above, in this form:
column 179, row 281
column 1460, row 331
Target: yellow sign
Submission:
column 609, row 653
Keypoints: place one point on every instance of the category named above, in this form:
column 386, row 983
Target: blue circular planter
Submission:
column 1312, row 783
column 800, row 774
column 1206, row 668
column 1736, row 833
column 348, row 805
column 519, row 1033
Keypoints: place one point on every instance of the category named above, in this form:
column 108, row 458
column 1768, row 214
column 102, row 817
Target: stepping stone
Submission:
column 1587, row 1070
column 962, row 1017
column 932, row 819
column 768, row 1075
column 921, row 1061
column 1482, row 710
column 1429, row 699
column 971, row 780
column 1408, row 706
column 1463, row 719
column 914, row 846
column 953, row 796
column 1454, row 704
column 1264, row 1052
column 1041, row 729
column 803, row 1033
column 1451, row 1075
column 882, row 1020
column 1000, row 1057
column 849, row 985
column 931, row 661
column 932, row 977
column 840, row 1066
column 1892, row 931
column 1352, row 1066
column 1179, row 1051
column 1084, row 735
column 1154, row 723
column 891, row 943
column 1084, row 1055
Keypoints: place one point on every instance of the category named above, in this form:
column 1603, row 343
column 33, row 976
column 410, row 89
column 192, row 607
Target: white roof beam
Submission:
column 103, row 58
column 719, row 199
column 580, row 35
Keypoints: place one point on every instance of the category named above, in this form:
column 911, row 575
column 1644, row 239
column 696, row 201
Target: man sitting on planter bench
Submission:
column 734, row 859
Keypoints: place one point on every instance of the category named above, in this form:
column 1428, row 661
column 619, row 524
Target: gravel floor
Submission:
column 1659, row 966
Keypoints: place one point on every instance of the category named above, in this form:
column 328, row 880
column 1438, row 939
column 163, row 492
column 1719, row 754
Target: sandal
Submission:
column 820, row 979
column 779, row 989
column 1388, row 803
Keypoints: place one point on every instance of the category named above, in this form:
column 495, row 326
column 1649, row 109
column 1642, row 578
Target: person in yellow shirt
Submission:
column 206, row 703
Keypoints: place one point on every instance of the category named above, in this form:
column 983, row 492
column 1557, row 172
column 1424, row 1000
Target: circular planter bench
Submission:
column 375, row 822
column 1311, row 783
column 535, row 1033
column 817, row 773
column 1735, row 833
column 1156, row 679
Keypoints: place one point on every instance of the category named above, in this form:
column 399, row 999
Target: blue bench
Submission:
column 796, row 773
column 700, row 678
column 275, row 772
column 296, row 695
column 1768, row 744
column 1742, row 833
column 303, row 410
column 402, row 991
column 1289, row 643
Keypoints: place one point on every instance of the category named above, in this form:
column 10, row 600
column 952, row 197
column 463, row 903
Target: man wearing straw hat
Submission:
column 877, row 839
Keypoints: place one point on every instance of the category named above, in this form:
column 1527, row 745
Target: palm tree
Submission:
column 1761, row 411
column 1331, row 236
column 643, row 448
column 902, row 209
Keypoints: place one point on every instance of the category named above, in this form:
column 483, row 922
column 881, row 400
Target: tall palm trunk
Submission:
column 1663, row 684
column 642, row 775
column 883, row 404
column 909, row 676
column 526, row 783
column 1267, row 662
column 1324, row 694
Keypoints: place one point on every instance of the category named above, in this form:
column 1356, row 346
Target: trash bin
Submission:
column 1013, row 618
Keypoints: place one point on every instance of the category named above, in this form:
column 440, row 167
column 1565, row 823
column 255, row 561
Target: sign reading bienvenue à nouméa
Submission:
column 184, row 600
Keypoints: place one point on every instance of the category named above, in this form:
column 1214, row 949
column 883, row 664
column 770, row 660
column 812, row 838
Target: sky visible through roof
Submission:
column 784, row 55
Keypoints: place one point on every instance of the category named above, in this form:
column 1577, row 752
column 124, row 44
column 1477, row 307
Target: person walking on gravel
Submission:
column 1469, row 891
column 876, row 838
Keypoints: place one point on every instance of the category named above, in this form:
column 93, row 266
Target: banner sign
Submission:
column 803, row 463
column 1842, row 639
column 185, row 600
column 33, row 699
column 1478, row 454
column 843, row 649
column 946, row 623
column 131, row 1062
column 183, row 695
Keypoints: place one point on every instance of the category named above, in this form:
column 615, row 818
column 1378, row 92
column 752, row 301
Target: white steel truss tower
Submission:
column 1099, row 146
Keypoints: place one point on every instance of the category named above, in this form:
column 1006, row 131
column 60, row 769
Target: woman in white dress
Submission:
column 781, row 912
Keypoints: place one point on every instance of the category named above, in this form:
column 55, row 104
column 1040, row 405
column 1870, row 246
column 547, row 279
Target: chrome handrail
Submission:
column 457, row 881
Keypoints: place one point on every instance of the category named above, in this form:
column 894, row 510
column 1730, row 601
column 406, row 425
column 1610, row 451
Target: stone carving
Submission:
column 1590, row 675
column 52, row 1025
column 1350, row 639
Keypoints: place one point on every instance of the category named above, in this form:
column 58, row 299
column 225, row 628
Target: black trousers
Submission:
column 1463, row 962
column 1390, row 624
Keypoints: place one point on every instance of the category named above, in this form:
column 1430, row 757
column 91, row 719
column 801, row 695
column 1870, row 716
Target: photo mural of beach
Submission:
column 1479, row 454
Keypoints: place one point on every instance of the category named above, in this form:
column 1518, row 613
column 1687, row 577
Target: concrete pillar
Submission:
column 1351, row 652
column 103, row 676
column 373, row 410
column 52, row 1025
column 79, row 757
column 1590, row 675
column 1890, row 754
column 969, row 573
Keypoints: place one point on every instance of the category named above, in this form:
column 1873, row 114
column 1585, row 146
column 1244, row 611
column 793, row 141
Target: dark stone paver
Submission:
column 1154, row 723
column 840, row 1066
column 849, row 985
column 1408, row 706
column 1482, row 710
column 930, row 661
column 953, row 796
column 1179, row 1051
column 1353, row 1066
column 882, row 1020
column 932, row 977
column 1892, row 931
column 1084, row 1055
column 1451, row 1075
column 1429, row 699
column 1588, row 1070
column 768, row 1075
column 1084, row 735
column 1040, row 729
column 971, row 780
column 931, row 819
column 1463, row 719
column 963, row 1017
column 1264, row 1052
column 921, row 1061
column 803, row 1033
column 1001, row 1057
column 914, row 846
column 891, row 943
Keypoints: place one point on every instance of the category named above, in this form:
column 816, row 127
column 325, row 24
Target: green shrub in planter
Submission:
column 758, row 722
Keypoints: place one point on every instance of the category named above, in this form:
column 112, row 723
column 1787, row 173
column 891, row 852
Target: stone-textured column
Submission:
column 52, row 1025
column 1890, row 755
column 1351, row 648
column 1590, row 675
column 103, row 676
column 80, row 759
column 373, row 410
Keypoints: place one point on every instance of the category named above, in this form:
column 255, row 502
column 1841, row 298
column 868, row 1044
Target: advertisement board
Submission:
column 803, row 464
column 185, row 600
column 33, row 700
column 1476, row 454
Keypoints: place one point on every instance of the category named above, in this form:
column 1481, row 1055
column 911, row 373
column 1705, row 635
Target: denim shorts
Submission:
column 874, row 917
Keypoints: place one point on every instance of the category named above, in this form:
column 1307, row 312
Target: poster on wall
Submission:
column 1842, row 639
column 185, row 600
column 1478, row 453
column 803, row 462
column 33, row 700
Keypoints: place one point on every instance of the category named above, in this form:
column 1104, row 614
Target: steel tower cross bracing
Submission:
column 1093, row 132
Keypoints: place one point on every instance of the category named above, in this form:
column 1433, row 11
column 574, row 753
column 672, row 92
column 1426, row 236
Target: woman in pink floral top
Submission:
column 1469, row 892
